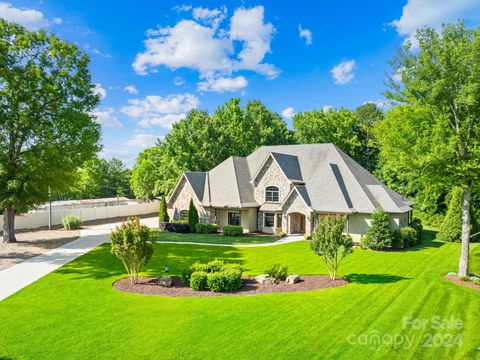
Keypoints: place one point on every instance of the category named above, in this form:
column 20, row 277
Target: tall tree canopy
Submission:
column 436, row 133
column 202, row 141
column 350, row 130
column 100, row 178
column 46, row 130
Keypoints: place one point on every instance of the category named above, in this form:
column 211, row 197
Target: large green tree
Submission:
column 100, row 178
column 350, row 130
column 46, row 126
column 201, row 141
column 436, row 134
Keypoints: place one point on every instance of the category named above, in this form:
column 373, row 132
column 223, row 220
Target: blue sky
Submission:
column 155, row 60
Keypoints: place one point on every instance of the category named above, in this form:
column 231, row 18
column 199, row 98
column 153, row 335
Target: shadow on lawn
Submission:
column 374, row 278
column 101, row 264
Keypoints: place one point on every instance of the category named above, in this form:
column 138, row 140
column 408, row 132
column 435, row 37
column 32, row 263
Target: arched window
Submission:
column 271, row 194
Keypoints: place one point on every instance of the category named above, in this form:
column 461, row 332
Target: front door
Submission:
column 296, row 223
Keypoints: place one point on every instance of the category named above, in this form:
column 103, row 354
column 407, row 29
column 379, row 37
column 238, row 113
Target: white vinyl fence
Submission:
column 35, row 220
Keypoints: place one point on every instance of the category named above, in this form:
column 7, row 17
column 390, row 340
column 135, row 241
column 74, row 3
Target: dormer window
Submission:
column 271, row 194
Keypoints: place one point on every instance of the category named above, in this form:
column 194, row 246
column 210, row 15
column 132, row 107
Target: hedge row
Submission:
column 206, row 228
column 232, row 230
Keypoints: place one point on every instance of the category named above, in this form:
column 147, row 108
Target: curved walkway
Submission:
column 284, row 240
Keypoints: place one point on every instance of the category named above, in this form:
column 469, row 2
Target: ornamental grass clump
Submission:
column 131, row 243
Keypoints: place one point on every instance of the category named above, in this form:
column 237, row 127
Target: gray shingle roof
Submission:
column 331, row 180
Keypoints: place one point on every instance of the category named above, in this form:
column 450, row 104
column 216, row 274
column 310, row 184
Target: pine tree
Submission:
column 379, row 234
column 192, row 216
column 162, row 213
column 451, row 228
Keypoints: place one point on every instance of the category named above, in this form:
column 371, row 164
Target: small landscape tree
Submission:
column 192, row 216
column 131, row 244
column 330, row 243
column 162, row 213
column 451, row 228
column 379, row 234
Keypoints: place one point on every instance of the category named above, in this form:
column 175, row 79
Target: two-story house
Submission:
column 288, row 188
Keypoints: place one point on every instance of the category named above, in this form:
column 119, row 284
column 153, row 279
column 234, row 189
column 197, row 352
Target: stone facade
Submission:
column 181, row 200
column 296, row 204
column 270, row 175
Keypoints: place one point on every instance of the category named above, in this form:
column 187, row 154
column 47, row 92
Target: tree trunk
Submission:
column 9, row 225
column 463, row 264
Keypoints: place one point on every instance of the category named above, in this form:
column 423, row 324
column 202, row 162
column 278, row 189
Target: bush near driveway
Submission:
column 71, row 222
column 131, row 243
column 174, row 227
column 232, row 230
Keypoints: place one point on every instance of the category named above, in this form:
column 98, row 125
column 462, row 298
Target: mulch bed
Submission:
column 457, row 281
column 149, row 286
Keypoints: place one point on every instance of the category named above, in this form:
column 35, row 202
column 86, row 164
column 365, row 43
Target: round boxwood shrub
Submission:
column 206, row 228
column 198, row 280
column 232, row 230
column 216, row 281
column 232, row 279
column 71, row 222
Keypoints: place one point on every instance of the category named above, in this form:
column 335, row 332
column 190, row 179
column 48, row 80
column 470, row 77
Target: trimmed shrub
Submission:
column 192, row 216
column 71, row 222
column 131, row 243
column 416, row 223
column 216, row 281
column 162, row 211
column 397, row 240
column 206, row 228
column 307, row 237
column 198, row 280
column 227, row 277
column 282, row 234
column 226, row 280
column 174, row 227
column 214, row 266
column 405, row 237
column 451, row 228
column 379, row 234
column 277, row 271
column 232, row 230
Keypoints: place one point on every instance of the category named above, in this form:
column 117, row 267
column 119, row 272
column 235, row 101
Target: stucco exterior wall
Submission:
column 359, row 223
column 181, row 201
column 270, row 175
column 248, row 218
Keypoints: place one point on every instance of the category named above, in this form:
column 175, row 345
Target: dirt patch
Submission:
column 149, row 286
column 457, row 281
column 34, row 243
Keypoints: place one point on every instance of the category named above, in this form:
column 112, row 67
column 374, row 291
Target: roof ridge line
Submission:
column 236, row 180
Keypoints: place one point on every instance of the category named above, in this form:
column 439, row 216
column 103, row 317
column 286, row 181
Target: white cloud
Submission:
column 248, row 26
column 107, row 118
column 178, row 81
column 385, row 103
column 131, row 89
column 161, row 111
column 288, row 112
column 30, row 18
column 201, row 45
column 343, row 73
column 419, row 13
column 143, row 140
column 208, row 16
column 222, row 84
column 306, row 34
column 100, row 91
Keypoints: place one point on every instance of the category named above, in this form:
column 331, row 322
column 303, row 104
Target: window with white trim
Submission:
column 271, row 194
column 268, row 219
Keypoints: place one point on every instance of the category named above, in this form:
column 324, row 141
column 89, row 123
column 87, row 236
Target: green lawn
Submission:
column 73, row 313
column 212, row 238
